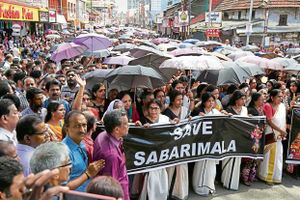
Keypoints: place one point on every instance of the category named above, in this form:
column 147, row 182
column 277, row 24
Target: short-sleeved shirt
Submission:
column 79, row 159
column 269, row 111
column 8, row 136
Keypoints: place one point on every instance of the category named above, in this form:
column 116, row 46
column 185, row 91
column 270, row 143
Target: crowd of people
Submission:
column 50, row 144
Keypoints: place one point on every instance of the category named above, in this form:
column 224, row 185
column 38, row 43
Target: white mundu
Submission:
column 204, row 173
column 231, row 166
column 155, row 184
column 270, row 169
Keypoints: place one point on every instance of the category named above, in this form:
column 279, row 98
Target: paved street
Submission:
column 289, row 190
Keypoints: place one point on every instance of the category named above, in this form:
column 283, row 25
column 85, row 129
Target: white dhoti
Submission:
column 270, row 169
column 155, row 185
column 204, row 177
column 179, row 181
column 231, row 173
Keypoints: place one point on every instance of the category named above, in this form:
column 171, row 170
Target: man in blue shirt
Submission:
column 76, row 128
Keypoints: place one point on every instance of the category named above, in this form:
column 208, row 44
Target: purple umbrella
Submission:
column 93, row 41
column 67, row 51
column 117, row 60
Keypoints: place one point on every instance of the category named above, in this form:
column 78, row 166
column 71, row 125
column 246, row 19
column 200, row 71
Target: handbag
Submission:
column 270, row 138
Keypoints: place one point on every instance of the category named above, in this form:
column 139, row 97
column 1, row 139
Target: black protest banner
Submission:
column 293, row 156
column 212, row 137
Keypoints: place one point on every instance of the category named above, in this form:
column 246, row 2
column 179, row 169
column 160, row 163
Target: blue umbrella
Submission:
column 191, row 41
column 185, row 45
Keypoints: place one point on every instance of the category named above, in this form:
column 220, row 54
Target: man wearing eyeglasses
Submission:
column 31, row 132
column 55, row 155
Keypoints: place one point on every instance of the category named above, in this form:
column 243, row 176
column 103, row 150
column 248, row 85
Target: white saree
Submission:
column 270, row 169
column 156, row 184
column 178, row 175
column 204, row 173
column 231, row 166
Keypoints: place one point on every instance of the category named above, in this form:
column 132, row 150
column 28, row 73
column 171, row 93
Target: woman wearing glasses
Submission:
column 155, row 184
column 270, row 169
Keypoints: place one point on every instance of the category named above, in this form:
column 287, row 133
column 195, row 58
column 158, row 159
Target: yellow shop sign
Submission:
column 18, row 12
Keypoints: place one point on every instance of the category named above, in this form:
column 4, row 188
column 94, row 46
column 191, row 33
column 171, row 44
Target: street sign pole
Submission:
column 250, row 20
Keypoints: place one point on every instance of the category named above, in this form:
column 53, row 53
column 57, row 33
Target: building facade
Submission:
column 273, row 22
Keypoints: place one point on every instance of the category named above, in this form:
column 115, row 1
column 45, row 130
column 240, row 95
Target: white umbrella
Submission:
column 117, row 60
column 53, row 36
column 200, row 63
column 289, row 64
column 262, row 62
column 238, row 54
column 167, row 47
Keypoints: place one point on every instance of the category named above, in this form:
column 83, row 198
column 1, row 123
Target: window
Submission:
column 240, row 15
column 253, row 14
column 226, row 16
column 283, row 20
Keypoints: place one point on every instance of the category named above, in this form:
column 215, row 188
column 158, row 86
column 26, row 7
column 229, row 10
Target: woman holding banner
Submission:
column 270, row 169
column 205, row 170
column 231, row 166
column 155, row 184
column 249, row 166
column 178, row 175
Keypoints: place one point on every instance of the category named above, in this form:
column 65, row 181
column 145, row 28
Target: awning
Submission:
column 230, row 25
column 61, row 19
column 43, row 10
column 277, row 29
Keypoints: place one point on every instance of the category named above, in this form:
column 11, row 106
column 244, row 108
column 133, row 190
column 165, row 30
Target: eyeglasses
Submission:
column 65, row 165
column 45, row 132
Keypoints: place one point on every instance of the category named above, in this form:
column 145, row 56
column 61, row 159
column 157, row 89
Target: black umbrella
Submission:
column 150, row 60
column 136, row 76
column 96, row 76
column 231, row 73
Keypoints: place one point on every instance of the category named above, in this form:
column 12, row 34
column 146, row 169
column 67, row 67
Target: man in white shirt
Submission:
column 9, row 116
